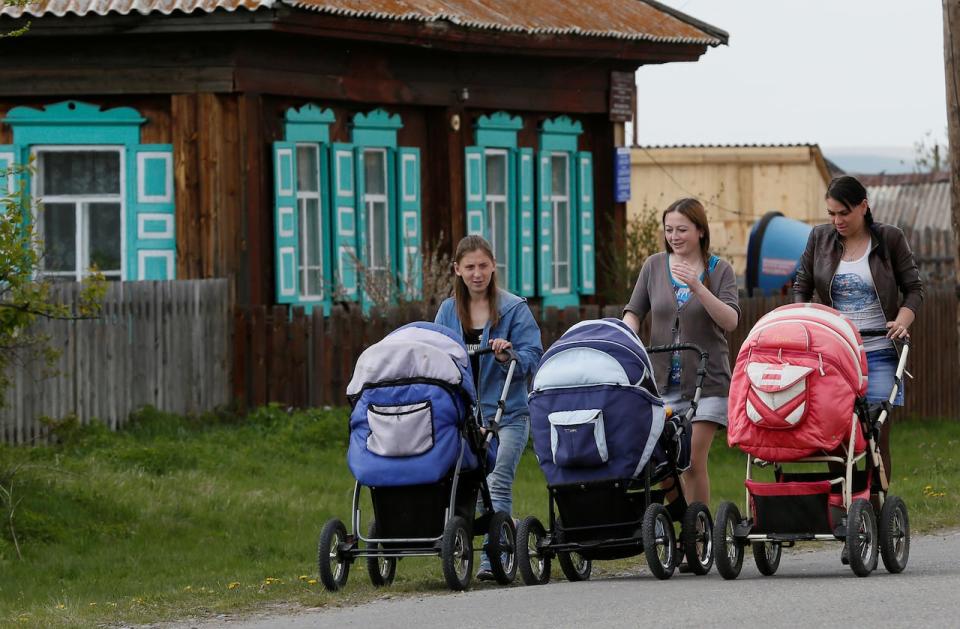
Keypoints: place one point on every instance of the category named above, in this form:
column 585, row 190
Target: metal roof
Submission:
column 919, row 202
column 639, row 20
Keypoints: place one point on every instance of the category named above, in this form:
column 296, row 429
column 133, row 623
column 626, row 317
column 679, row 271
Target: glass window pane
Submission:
column 103, row 233
column 380, row 236
column 59, row 236
column 563, row 238
column 500, row 237
column 496, row 174
column 308, row 178
column 80, row 172
column 311, row 235
column 375, row 172
column 558, row 164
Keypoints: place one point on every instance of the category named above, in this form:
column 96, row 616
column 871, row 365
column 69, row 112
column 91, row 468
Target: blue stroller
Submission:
column 603, row 439
column 418, row 443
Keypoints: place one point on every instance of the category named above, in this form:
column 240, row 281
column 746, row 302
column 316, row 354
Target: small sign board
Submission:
column 621, row 175
column 622, row 87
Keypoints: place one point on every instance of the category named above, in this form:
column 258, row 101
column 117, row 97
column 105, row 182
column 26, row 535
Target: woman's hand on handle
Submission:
column 500, row 347
column 898, row 328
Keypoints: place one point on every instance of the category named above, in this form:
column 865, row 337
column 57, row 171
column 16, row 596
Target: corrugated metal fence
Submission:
column 300, row 360
column 164, row 344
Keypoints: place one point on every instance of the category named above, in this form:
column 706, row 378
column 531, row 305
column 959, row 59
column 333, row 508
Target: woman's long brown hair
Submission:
column 461, row 294
column 693, row 210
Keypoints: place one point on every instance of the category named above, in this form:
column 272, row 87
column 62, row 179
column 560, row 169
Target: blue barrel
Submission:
column 773, row 253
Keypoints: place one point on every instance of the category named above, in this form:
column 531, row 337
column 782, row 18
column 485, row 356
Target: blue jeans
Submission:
column 513, row 440
column 881, row 368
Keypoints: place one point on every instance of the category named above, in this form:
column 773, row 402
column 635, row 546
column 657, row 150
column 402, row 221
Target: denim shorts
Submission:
column 881, row 368
column 710, row 409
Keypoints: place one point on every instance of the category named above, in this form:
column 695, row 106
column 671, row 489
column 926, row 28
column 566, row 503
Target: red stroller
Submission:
column 797, row 396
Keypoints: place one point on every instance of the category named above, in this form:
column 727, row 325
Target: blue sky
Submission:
column 839, row 73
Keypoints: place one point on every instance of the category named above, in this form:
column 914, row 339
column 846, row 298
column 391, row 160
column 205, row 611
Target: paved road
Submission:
column 811, row 589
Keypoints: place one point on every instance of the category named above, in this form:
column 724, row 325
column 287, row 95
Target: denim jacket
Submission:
column 516, row 325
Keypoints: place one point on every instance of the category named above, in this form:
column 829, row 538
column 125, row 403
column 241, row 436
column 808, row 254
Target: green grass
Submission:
column 176, row 517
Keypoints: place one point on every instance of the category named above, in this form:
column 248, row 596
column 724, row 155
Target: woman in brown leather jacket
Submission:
column 866, row 271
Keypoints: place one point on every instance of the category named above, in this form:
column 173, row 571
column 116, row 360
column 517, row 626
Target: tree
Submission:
column 24, row 292
column 951, row 58
column 621, row 264
column 930, row 156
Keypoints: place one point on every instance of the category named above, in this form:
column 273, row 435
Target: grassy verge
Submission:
column 176, row 517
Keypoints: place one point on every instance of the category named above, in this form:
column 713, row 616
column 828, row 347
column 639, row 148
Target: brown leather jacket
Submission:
column 891, row 264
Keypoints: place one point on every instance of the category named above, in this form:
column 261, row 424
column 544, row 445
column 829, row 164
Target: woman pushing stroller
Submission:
column 692, row 298
column 486, row 316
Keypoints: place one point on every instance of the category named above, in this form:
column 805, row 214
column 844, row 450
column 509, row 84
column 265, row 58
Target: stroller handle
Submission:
column 701, row 370
column 883, row 332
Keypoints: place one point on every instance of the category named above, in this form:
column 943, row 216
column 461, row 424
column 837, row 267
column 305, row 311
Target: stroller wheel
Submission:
column 382, row 570
column 532, row 561
column 502, row 548
column 728, row 550
column 659, row 541
column 894, row 529
column 456, row 551
column 334, row 567
column 767, row 557
column 575, row 566
column 697, row 536
column 862, row 537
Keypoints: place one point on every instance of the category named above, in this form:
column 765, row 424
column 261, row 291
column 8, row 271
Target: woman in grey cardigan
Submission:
column 691, row 296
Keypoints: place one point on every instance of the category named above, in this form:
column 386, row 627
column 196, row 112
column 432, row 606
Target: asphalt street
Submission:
column 811, row 589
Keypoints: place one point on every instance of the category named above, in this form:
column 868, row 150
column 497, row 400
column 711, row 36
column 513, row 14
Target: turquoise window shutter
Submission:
column 545, row 224
column 527, row 242
column 151, row 221
column 588, row 254
column 343, row 187
column 410, row 239
column 360, row 261
column 286, row 237
column 475, row 188
column 8, row 157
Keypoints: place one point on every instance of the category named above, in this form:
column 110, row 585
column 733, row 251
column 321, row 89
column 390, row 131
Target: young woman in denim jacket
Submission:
column 485, row 316
column 866, row 271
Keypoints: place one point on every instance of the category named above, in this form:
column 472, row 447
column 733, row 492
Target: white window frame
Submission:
column 490, row 201
column 80, row 202
column 302, row 197
column 555, row 201
column 369, row 201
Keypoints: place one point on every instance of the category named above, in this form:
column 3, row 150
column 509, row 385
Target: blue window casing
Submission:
column 148, row 232
column 565, row 215
column 347, row 230
column 503, row 213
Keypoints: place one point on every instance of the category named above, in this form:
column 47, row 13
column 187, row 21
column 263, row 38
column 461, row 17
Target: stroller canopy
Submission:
column 412, row 394
column 797, row 376
column 600, row 351
column 416, row 350
column 594, row 411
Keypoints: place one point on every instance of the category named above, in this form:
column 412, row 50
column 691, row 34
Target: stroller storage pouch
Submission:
column 577, row 438
column 404, row 430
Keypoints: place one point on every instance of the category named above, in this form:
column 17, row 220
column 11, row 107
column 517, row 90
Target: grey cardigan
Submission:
column 654, row 294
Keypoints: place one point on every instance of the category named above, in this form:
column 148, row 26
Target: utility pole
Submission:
column 951, row 59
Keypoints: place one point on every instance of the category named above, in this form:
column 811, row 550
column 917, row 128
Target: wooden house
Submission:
column 300, row 147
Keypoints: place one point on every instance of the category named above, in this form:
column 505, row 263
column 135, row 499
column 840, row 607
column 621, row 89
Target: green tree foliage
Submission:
column 25, row 296
column 621, row 264
column 22, row 29
column 930, row 156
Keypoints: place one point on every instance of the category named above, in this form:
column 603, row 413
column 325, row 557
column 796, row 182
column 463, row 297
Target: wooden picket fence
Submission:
column 287, row 357
column 164, row 344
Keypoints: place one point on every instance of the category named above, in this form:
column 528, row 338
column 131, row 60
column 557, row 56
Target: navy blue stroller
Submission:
column 603, row 439
column 418, row 443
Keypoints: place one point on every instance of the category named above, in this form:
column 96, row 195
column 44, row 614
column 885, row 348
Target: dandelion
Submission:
column 312, row 582
column 188, row 588
column 234, row 585
column 303, row 577
column 60, row 605
column 93, row 604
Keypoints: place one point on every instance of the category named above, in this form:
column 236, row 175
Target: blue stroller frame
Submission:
column 419, row 444
column 604, row 440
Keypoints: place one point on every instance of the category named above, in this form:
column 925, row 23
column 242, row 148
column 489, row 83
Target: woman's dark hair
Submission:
column 693, row 210
column 461, row 294
column 851, row 193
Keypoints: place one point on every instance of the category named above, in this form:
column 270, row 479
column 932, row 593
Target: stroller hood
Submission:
column 418, row 350
column 797, row 377
column 594, row 411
